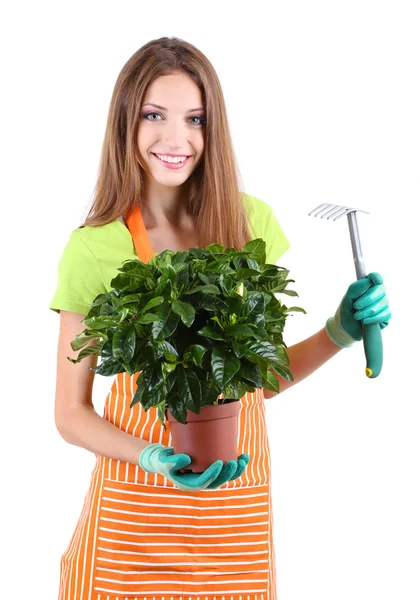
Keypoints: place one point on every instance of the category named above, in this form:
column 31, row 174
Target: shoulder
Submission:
column 260, row 214
column 263, row 224
column 89, row 234
column 254, row 205
column 99, row 239
column 88, row 263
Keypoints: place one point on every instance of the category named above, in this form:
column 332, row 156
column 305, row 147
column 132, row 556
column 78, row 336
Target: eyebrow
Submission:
column 163, row 108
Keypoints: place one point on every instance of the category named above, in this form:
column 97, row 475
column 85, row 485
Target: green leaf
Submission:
column 152, row 377
column 124, row 344
column 183, row 278
column 296, row 309
column 101, row 299
column 80, row 341
column 166, row 324
column 208, row 289
column 257, row 248
column 185, row 311
column 239, row 348
column 106, row 310
column 109, row 367
column 210, row 303
column 189, row 388
column 99, row 323
column 211, row 332
column 167, row 350
column 161, row 407
column 252, row 264
column 239, row 331
column 180, row 258
column 138, row 394
column 282, row 355
column 210, row 390
column 157, row 301
column 148, row 318
column 251, row 373
column 167, row 368
column 124, row 312
column 169, row 273
column 178, row 410
column 283, row 371
column 214, row 248
column 195, row 353
column 271, row 382
column 164, row 289
column 253, row 306
column 224, row 365
column 90, row 350
column 264, row 350
column 132, row 299
column 153, row 397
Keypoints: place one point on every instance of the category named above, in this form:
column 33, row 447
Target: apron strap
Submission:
column 139, row 234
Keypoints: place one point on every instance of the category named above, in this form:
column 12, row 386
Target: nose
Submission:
column 174, row 134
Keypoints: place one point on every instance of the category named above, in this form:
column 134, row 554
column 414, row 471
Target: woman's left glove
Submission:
column 364, row 302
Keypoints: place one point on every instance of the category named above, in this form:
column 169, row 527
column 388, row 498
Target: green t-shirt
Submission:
column 93, row 255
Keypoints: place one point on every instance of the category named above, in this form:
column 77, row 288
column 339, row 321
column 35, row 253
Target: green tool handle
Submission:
column 372, row 342
column 372, row 335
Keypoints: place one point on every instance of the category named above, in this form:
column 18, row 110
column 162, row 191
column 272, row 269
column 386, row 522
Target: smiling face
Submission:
column 170, row 136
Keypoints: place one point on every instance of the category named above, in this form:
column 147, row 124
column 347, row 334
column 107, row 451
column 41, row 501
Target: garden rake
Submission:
column 372, row 337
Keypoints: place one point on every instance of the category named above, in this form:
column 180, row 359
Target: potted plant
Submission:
column 202, row 328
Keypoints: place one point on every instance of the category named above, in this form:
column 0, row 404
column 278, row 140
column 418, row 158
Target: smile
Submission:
column 172, row 162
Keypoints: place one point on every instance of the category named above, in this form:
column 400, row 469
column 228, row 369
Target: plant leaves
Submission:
column 208, row 289
column 251, row 373
column 253, row 306
column 166, row 324
column 271, row 382
column 195, row 352
column 189, row 388
column 157, row 301
column 178, row 410
column 109, row 367
column 264, row 350
column 283, row 371
column 124, row 344
column 224, row 365
column 138, row 394
column 211, row 332
column 99, row 323
column 185, row 311
column 94, row 350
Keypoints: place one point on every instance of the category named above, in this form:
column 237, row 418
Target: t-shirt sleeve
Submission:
column 264, row 224
column 276, row 241
column 80, row 278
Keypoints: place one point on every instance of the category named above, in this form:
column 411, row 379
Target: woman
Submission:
column 168, row 179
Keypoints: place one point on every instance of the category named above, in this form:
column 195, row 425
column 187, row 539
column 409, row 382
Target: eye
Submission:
column 201, row 120
column 150, row 117
column 147, row 115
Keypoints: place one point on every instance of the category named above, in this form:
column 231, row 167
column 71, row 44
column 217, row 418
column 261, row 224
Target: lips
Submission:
column 170, row 165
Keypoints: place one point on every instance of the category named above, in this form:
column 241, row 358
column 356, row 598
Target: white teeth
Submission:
column 171, row 159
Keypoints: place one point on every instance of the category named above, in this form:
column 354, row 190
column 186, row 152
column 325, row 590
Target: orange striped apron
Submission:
column 140, row 537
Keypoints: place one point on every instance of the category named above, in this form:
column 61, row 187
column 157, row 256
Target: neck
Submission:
column 164, row 206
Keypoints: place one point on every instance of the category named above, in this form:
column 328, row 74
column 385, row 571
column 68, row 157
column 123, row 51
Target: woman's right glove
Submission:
column 157, row 458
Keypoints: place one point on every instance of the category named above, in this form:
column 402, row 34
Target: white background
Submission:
column 323, row 100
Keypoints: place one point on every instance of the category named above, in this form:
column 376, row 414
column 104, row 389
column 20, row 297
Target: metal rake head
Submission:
column 337, row 211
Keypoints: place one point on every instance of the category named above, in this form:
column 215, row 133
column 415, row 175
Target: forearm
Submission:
column 306, row 357
column 83, row 427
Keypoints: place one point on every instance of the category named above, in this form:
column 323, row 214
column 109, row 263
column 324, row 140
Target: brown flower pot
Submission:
column 212, row 435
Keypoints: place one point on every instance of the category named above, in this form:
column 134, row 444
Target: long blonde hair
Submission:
column 214, row 200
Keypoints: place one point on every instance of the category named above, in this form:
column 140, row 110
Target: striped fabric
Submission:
column 139, row 536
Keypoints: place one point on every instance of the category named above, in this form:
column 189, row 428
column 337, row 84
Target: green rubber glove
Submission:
column 157, row 458
column 365, row 302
